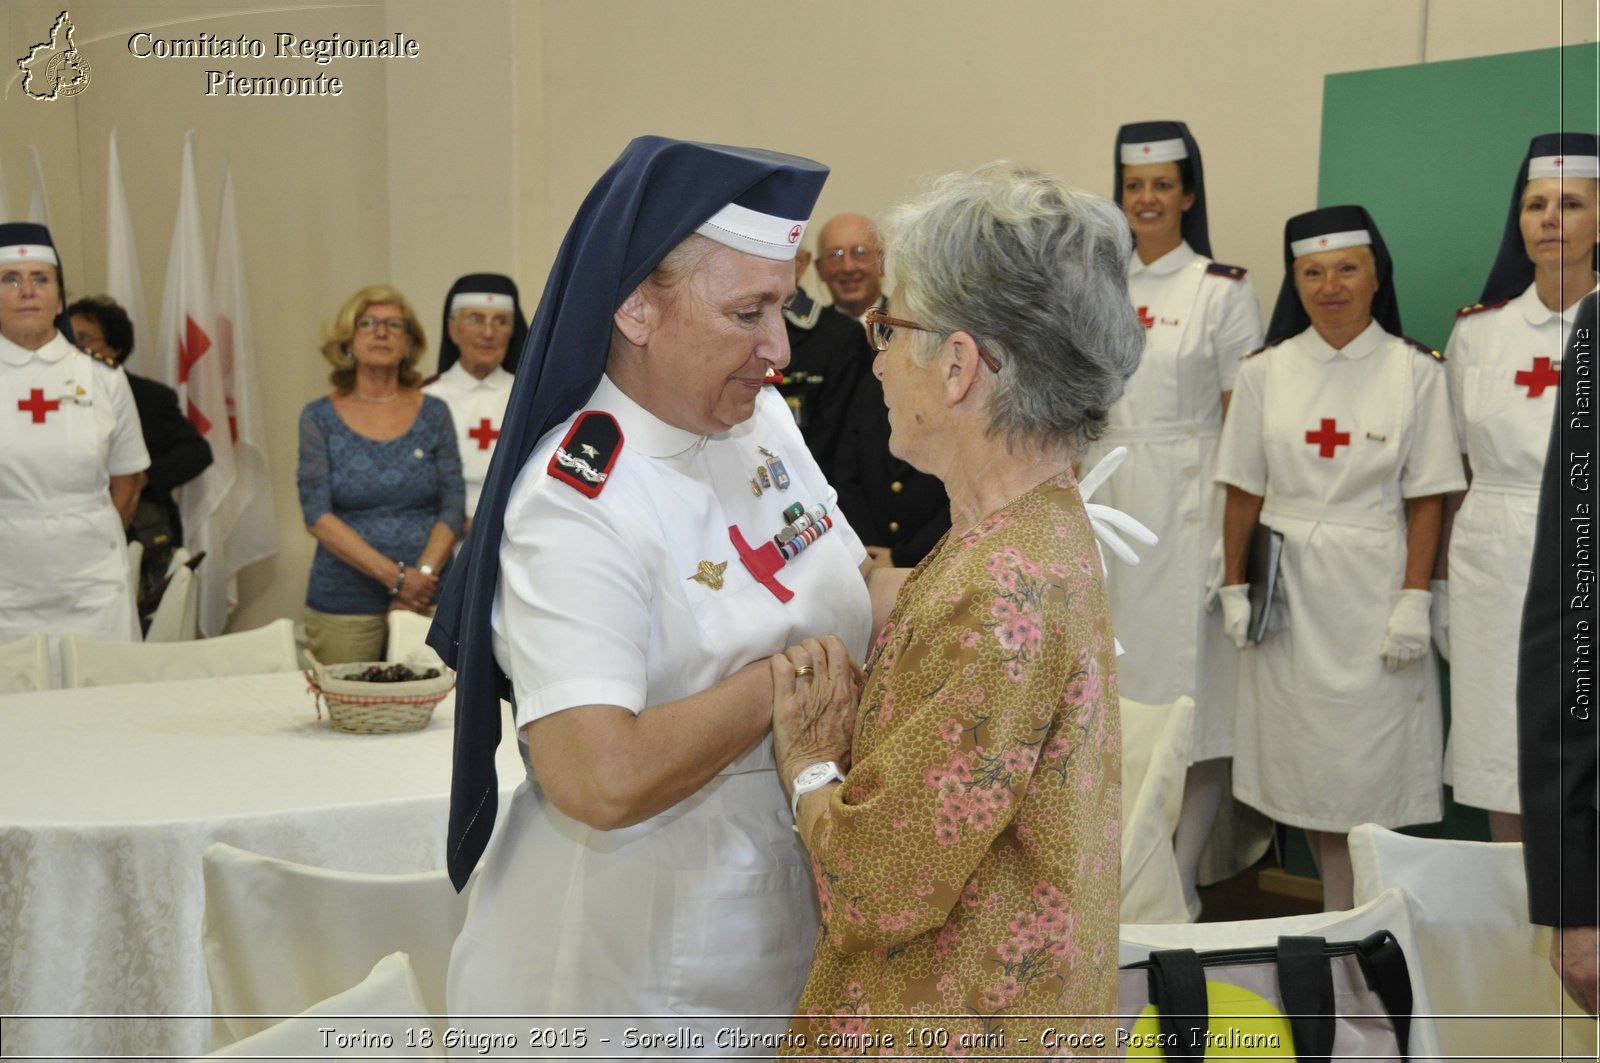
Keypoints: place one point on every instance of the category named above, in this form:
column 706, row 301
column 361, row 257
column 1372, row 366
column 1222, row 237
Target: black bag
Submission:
column 1346, row 1000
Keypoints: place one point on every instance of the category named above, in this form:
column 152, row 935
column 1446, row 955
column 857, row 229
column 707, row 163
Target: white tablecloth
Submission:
column 109, row 795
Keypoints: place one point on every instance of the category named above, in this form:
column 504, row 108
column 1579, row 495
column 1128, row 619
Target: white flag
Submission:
column 187, row 347
column 249, row 524
column 38, row 204
column 123, row 281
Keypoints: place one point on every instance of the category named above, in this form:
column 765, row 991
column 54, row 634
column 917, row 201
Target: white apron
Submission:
column 1503, row 367
column 63, row 425
column 1327, row 737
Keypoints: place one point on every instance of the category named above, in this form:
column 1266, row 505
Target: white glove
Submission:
column 1439, row 615
column 1405, row 639
column 1214, row 579
column 1105, row 520
column 1235, row 601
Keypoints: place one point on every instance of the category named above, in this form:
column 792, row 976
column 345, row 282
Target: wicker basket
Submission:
column 359, row 707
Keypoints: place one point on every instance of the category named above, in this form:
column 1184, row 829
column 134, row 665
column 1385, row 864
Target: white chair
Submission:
column 1155, row 759
column 87, row 662
column 1387, row 911
column 25, row 664
column 1482, row 960
column 177, row 617
column 407, row 634
column 279, row 935
column 383, row 1017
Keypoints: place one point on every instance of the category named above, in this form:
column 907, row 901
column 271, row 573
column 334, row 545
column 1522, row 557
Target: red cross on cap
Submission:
column 1145, row 148
column 22, row 250
column 490, row 299
column 1559, row 161
column 794, row 235
column 1322, row 242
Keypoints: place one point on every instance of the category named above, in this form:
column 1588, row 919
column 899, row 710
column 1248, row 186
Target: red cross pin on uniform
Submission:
column 1145, row 317
column 485, row 434
column 1541, row 376
column 37, row 405
column 1328, row 438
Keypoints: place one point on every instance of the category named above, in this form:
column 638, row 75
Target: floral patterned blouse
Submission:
column 968, row 869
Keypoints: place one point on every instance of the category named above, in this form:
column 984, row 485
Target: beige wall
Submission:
column 474, row 156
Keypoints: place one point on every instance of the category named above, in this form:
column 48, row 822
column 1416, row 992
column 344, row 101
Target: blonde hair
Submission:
column 336, row 337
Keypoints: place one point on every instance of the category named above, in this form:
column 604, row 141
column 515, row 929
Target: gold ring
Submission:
column 804, row 669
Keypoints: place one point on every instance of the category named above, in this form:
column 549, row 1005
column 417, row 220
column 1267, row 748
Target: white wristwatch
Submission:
column 426, row 570
column 813, row 778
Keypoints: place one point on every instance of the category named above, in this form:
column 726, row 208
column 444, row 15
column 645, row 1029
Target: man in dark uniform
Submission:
column 829, row 357
column 1557, row 740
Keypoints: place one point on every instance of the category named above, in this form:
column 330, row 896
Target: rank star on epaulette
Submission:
column 1219, row 269
column 1478, row 308
column 103, row 359
column 585, row 457
column 1423, row 348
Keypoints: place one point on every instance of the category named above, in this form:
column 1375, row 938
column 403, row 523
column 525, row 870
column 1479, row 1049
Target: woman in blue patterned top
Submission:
column 380, row 480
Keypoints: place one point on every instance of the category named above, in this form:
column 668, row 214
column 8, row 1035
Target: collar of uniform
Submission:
column 1532, row 308
column 54, row 350
column 641, row 430
column 497, row 380
column 1169, row 263
column 1371, row 339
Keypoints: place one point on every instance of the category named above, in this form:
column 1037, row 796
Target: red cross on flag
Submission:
column 185, row 342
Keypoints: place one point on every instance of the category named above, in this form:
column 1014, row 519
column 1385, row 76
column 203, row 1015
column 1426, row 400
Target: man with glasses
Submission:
column 849, row 264
column 483, row 333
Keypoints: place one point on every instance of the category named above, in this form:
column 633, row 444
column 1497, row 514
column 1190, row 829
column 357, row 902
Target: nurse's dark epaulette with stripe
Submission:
column 1218, row 269
column 103, row 359
column 585, row 456
column 1478, row 308
column 1423, row 348
column 1264, row 347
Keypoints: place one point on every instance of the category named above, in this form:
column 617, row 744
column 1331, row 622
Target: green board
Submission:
column 1432, row 151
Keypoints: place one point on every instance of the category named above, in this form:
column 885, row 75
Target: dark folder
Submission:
column 1266, row 551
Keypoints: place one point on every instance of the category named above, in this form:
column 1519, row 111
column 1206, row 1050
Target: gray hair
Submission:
column 1037, row 272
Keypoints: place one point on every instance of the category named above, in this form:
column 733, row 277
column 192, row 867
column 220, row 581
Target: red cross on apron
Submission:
column 1538, row 378
column 1328, row 438
column 485, row 434
column 38, row 405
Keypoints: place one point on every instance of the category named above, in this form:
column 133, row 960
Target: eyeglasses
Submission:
column 477, row 320
column 860, row 253
column 373, row 324
column 880, row 330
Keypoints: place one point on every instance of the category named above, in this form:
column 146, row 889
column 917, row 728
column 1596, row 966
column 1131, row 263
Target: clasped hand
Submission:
column 813, row 714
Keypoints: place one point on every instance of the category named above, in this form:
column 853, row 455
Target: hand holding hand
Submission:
column 1236, row 612
column 815, row 688
column 1405, row 639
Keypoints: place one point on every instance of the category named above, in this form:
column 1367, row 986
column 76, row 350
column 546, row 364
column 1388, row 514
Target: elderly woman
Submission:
column 1503, row 363
column 1200, row 317
column 380, row 480
column 1339, row 439
column 72, row 458
column 968, row 864
column 623, row 586
column 483, row 334
column 178, row 452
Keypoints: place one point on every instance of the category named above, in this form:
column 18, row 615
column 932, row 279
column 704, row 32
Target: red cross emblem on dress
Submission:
column 38, row 405
column 485, row 434
column 1538, row 378
column 1328, row 438
column 1145, row 317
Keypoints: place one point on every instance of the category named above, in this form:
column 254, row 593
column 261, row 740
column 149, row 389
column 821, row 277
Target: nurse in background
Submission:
column 483, row 332
column 1199, row 316
column 1504, row 361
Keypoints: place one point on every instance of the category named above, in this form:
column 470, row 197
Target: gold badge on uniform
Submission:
column 710, row 574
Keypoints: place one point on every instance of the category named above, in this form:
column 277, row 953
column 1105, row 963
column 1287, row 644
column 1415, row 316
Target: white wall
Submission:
column 475, row 156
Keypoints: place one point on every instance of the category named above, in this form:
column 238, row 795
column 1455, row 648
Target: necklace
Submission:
column 375, row 398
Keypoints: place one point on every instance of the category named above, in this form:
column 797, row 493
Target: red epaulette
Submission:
column 1264, row 347
column 585, row 456
column 1218, row 269
column 1478, row 308
column 1423, row 348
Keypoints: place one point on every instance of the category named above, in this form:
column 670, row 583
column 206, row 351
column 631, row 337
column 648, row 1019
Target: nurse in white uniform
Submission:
column 483, row 331
column 647, row 868
column 72, row 451
column 1200, row 319
column 1504, row 362
column 1339, row 437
